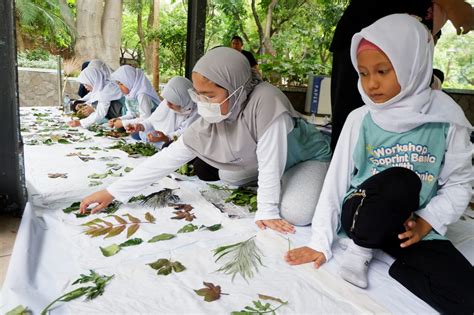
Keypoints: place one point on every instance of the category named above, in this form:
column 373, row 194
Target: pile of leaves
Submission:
column 135, row 149
column 186, row 169
column 100, row 131
column 241, row 196
column 183, row 212
column 91, row 292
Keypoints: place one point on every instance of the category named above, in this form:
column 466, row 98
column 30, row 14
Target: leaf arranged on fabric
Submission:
column 149, row 217
column 128, row 169
column 97, row 288
column 94, row 183
column 110, row 250
column 165, row 266
column 161, row 237
column 241, row 196
column 111, row 208
column 258, row 307
column 211, row 228
column 160, row 198
column 210, row 293
column 63, row 141
column 19, row 310
column 136, row 198
column 188, row 228
column 242, row 258
column 73, row 207
column 98, row 227
column 57, row 175
column 131, row 242
column 181, row 214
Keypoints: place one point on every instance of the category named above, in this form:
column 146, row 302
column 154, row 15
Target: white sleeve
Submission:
column 336, row 184
column 153, row 169
column 271, row 155
column 455, row 178
column 155, row 116
column 184, row 124
column 99, row 113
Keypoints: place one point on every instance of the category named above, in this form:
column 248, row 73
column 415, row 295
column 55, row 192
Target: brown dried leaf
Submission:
column 132, row 218
column 97, row 231
column 149, row 217
column 210, row 293
column 115, row 231
column 119, row 219
column 271, row 298
column 57, row 175
column 132, row 229
column 181, row 214
column 94, row 222
column 181, row 206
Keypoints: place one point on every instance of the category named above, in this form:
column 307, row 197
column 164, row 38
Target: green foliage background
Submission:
column 301, row 34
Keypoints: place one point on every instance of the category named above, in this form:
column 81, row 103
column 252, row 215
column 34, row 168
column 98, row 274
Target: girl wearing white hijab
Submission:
column 401, row 172
column 95, row 78
column 176, row 112
column 246, row 125
column 140, row 96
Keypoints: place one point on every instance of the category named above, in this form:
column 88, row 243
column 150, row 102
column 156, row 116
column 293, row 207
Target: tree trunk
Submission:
column 156, row 46
column 112, row 31
column 68, row 18
column 146, row 48
column 20, row 44
column 259, row 28
column 267, row 43
column 99, row 27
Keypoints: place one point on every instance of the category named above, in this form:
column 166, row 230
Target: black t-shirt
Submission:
column 362, row 13
column 250, row 58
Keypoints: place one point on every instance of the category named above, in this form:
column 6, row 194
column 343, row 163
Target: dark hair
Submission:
column 237, row 38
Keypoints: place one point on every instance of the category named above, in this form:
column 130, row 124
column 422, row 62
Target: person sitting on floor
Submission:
column 400, row 174
column 248, row 128
column 104, row 95
column 140, row 96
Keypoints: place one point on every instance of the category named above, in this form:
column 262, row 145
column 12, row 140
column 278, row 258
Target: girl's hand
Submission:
column 415, row 231
column 86, row 110
column 111, row 122
column 118, row 123
column 134, row 128
column 305, row 255
column 157, row 136
column 103, row 198
column 279, row 225
column 74, row 123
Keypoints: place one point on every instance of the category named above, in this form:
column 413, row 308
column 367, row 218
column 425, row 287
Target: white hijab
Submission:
column 136, row 81
column 167, row 120
column 409, row 46
column 97, row 76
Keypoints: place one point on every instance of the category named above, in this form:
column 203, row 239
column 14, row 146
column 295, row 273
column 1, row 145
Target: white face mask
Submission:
column 211, row 112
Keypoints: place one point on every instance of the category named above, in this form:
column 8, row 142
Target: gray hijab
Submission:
column 231, row 144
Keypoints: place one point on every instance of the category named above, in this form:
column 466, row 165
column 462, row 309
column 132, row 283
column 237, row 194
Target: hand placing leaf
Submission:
column 210, row 293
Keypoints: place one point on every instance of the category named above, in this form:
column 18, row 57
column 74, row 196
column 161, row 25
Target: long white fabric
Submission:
column 51, row 251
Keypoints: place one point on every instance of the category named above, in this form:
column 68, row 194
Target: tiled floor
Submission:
column 8, row 230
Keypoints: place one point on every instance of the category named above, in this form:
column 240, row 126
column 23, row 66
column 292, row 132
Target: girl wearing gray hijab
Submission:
column 174, row 114
column 246, row 126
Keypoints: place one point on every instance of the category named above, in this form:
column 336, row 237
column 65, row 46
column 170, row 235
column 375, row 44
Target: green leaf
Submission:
column 73, row 207
column 188, row 228
column 166, row 270
column 131, row 242
column 110, row 250
column 159, row 263
column 63, row 141
column 211, row 228
column 128, row 169
column 161, row 237
column 178, row 267
column 19, row 310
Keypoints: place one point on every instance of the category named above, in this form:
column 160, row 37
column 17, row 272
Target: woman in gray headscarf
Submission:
column 248, row 126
